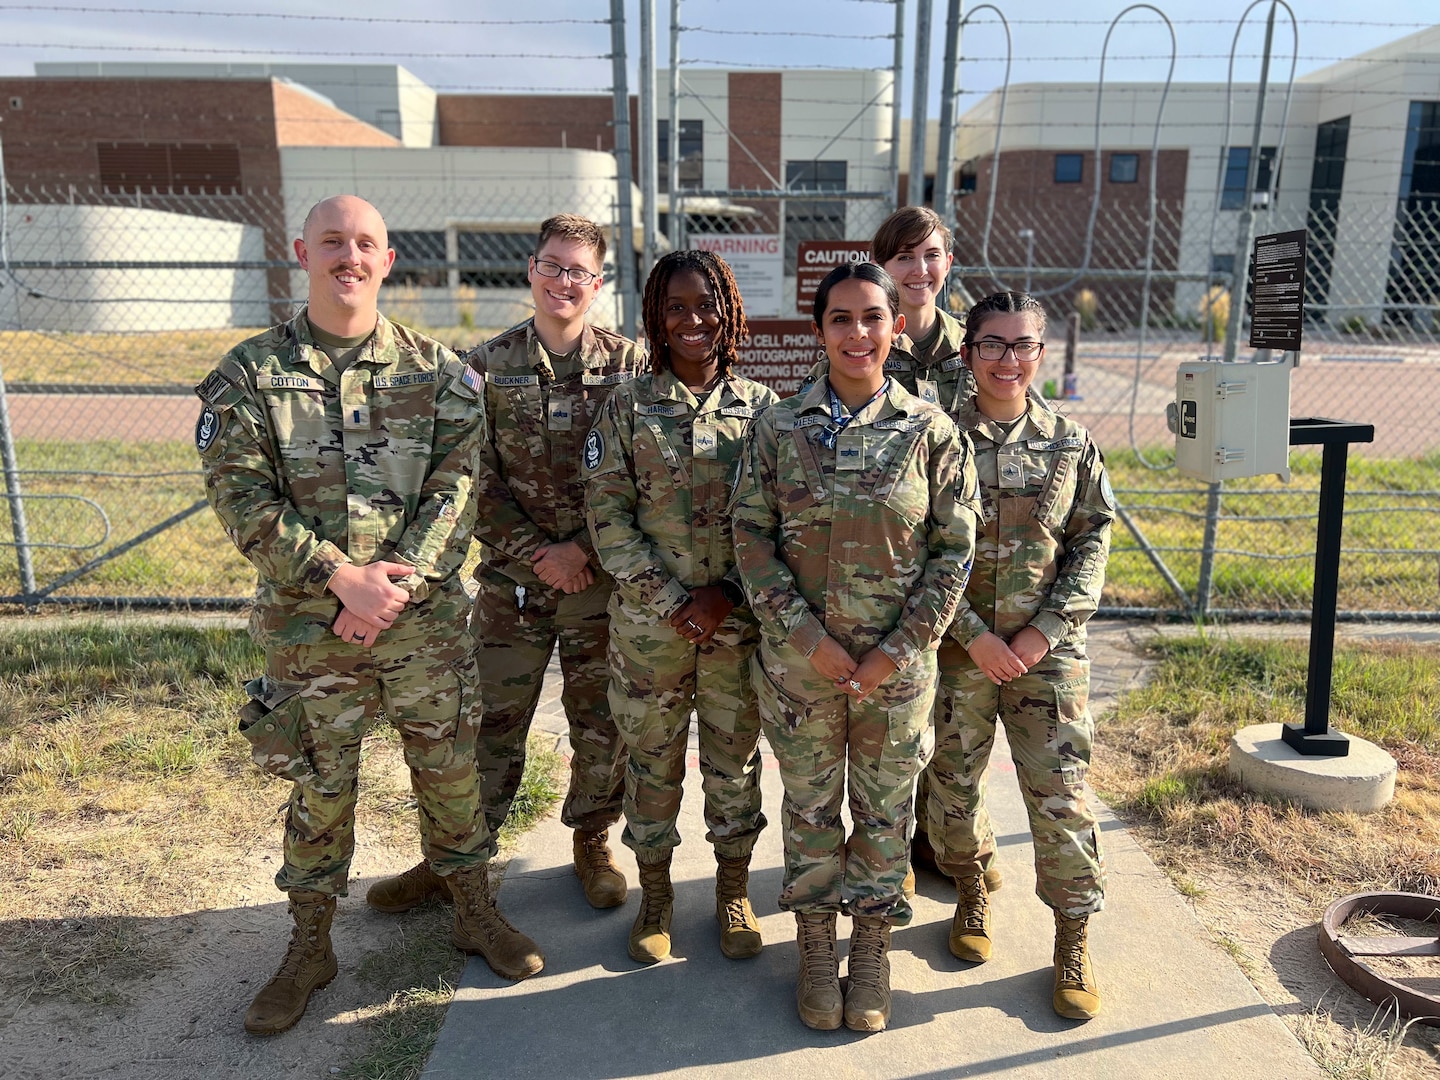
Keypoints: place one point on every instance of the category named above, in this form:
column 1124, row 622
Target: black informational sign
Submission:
column 1277, row 291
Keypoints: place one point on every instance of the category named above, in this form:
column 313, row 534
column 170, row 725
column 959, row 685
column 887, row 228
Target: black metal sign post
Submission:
column 1315, row 739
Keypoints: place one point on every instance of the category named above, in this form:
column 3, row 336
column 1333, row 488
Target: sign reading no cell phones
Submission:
column 1277, row 291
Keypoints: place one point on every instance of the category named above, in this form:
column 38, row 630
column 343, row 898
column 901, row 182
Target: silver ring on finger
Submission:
column 855, row 685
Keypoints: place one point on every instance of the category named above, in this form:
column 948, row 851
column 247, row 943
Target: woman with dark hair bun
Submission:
column 1016, row 651
column 854, row 525
column 657, row 468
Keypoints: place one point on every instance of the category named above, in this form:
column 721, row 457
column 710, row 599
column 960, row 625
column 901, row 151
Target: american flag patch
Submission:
column 473, row 380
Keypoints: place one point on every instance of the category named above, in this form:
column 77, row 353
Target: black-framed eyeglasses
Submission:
column 578, row 275
column 1026, row 352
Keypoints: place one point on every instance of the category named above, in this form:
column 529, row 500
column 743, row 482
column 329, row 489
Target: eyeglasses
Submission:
column 578, row 275
column 1026, row 352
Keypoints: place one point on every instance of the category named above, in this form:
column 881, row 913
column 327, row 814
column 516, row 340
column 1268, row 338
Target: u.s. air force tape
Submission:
column 207, row 429
column 594, row 450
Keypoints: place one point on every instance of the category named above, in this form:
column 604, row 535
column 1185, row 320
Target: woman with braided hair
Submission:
column 657, row 468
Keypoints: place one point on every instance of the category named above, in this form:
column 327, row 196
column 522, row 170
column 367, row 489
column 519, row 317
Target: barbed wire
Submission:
column 389, row 53
column 296, row 17
column 786, row 33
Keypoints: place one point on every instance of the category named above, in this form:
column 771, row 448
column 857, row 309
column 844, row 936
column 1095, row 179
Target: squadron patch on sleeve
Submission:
column 594, row 450
column 1106, row 491
column 207, row 430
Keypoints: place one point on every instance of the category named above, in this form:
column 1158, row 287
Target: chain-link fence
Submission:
column 1371, row 354
column 113, row 307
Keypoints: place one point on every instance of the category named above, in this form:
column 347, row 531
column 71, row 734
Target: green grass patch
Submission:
column 1266, row 536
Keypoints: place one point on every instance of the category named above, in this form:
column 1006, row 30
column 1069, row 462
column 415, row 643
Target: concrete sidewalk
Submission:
column 1175, row 1005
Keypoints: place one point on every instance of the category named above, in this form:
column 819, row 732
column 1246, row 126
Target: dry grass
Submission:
column 1161, row 763
column 1164, row 753
column 126, row 793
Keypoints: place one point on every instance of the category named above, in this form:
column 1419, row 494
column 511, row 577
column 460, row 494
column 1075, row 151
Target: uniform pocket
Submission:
column 273, row 722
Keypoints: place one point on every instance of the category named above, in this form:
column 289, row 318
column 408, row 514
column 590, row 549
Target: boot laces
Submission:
column 733, row 877
column 304, row 944
column 973, row 901
column 480, row 906
column 867, row 955
column 419, row 872
column 817, row 949
column 1070, row 950
column 594, row 854
column 656, row 893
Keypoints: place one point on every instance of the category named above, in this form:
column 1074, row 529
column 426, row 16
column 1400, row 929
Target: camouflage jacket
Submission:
column 658, row 466
column 529, row 489
column 870, row 542
column 1044, row 535
column 308, row 468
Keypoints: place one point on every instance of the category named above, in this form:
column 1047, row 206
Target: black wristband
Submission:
column 732, row 592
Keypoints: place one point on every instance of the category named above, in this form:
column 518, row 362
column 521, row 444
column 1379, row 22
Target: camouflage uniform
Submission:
column 530, row 492
column 309, row 468
column 1040, row 561
column 871, row 544
column 658, row 465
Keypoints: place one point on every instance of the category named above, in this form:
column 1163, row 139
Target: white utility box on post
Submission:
column 1232, row 420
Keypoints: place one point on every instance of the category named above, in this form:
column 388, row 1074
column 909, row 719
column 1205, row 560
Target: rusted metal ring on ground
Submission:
column 1344, row 953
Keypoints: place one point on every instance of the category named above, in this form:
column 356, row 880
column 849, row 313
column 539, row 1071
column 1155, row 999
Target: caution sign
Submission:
column 1277, row 291
column 815, row 259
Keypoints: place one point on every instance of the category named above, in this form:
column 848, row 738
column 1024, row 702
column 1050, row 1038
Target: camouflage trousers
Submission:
column 513, row 644
column 830, row 748
column 1050, row 730
column 318, row 700
column 657, row 677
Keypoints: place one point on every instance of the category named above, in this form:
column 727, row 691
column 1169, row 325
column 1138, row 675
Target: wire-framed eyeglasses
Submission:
column 578, row 275
column 1026, row 352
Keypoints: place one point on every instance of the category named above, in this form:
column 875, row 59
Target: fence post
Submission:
column 898, row 67
column 17, row 503
column 915, row 195
column 625, row 210
column 649, row 187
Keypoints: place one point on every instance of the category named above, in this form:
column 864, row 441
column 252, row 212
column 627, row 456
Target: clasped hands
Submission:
column 1001, row 662
column 369, row 601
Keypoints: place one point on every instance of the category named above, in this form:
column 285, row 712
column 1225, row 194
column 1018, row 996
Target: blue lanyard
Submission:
column 839, row 421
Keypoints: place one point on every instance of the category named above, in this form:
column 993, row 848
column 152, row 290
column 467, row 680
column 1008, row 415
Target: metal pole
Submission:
column 13, row 496
column 1245, row 236
column 898, row 77
column 1238, row 290
column 624, row 210
column 916, row 195
column 649, row 186
column 672, row 152
column 949, row 99
column 1028, row 235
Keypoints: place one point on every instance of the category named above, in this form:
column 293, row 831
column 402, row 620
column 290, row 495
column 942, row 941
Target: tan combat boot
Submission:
column 817, row 989
column 308, row 965
column 867, row 1000
column 922, row 854
column 907, row 886
column 970, row 929
column 604, row 884
column 739, row 929
column 1077, row 995
column 650, row 936
column 405, row 891
column 480, row 928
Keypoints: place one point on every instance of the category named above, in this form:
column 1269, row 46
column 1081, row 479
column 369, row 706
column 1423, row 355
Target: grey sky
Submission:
column 1054, row 40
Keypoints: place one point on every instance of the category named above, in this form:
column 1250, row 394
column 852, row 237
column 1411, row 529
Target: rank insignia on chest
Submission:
column 357, row 417
column 706, row 440
column 850, row 452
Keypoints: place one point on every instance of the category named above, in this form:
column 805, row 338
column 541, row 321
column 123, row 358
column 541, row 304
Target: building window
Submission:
column 813, row 219
column 1327, row 177
column 969, row 181
column 495, row 260
column 1069, row 168
column 1237, row 164
column 692, row 154
column 169, row 168
column 1124, row 168
column 1222, row 266
column 419, row 258
column 1414, row 279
